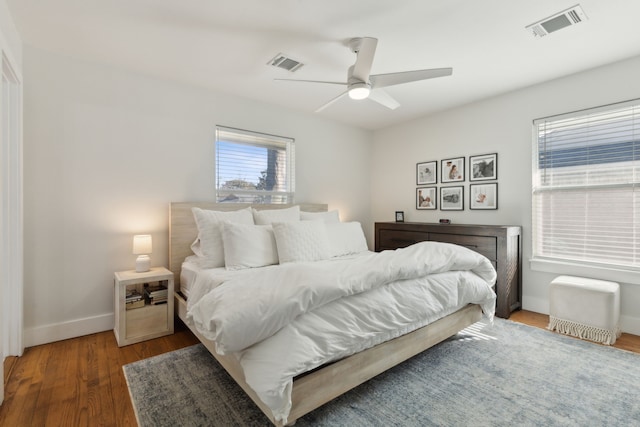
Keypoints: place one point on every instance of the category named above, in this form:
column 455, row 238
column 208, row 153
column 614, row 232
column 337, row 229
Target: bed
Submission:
column 320, row 384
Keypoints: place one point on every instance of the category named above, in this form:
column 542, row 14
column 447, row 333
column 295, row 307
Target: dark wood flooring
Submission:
column 78, row 382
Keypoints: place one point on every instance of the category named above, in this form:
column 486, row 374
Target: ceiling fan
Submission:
column 361, row 84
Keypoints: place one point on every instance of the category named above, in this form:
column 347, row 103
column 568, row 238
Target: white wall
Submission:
column 10, row 41
column 106, row 151
column 500, row 125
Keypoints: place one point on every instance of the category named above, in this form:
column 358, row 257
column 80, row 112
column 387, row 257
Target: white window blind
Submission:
column 253, row 167
column 586, row 187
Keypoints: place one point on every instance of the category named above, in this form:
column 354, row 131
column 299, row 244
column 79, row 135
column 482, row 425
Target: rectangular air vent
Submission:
column 573, row 15
column 284, row 62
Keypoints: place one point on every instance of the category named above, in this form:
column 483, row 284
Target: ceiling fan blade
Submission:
column 313, row 81
column 365, row 48
column 383, row 98
column 332, row 101
column 391, row 79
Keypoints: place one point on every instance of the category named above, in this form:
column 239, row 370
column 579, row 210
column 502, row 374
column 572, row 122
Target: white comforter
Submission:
column 283, row 320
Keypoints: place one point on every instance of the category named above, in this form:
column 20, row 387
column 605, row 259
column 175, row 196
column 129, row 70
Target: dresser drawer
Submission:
column 485, row 245
column 393, row 239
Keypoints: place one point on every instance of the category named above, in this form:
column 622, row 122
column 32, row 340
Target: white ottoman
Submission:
column 585, row 308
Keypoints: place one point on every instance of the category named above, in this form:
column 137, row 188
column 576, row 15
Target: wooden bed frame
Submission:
column 314, row 389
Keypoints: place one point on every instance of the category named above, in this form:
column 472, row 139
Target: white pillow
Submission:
column 208, row 246
column 270, row 216
column 196, row 248
column 300, row 241
column 331, row 216
column 346, row 238
column 248, row 246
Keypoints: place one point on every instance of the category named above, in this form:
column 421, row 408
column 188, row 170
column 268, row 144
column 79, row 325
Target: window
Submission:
column 586, row 187
column 253, row 167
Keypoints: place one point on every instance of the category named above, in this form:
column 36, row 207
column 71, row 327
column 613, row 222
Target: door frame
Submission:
column 11, row 215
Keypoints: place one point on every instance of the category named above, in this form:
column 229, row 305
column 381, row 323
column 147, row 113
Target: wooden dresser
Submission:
column 502, row 244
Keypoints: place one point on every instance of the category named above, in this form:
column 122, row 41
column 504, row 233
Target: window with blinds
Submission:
column 253, row 167
column 586, row 187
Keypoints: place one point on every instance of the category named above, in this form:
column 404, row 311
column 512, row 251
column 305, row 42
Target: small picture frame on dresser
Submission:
column 399, row 216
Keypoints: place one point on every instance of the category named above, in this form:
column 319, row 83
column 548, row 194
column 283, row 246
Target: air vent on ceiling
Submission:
column 572, row 16
column 282, row 61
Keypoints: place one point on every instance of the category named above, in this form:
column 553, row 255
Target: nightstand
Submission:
column 145, row 318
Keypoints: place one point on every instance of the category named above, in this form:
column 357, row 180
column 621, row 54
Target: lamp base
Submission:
column 143, row 263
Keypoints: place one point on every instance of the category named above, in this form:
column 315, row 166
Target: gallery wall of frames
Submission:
column 480, row 170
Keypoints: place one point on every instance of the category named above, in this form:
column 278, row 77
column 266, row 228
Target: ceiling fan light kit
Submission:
column 359, row 91
column 361, row 84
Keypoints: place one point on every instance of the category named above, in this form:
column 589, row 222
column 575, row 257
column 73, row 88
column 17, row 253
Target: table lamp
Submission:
column 142, row 248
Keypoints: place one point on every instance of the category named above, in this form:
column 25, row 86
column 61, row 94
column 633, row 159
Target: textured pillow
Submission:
column 300, row 241
column 270, row 216
column 248, row 246
column 346, row 238
column 331, row 216
column 208, row 246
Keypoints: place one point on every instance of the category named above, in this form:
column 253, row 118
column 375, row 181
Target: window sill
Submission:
column 585, row 270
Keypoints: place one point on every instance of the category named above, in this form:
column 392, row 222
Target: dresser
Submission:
column 501, row 244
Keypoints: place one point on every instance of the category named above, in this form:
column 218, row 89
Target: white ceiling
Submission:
column 225, row 45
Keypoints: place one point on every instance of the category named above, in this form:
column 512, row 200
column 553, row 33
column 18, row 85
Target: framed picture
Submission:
column 483, row 196
column 452, row 170
column 484, row 167
column 426, row 198
column 427, row 173
column 452, row 198
column 399, row 216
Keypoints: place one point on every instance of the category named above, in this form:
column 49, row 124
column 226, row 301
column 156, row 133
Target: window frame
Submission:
column 568, row 265
column 241, row 137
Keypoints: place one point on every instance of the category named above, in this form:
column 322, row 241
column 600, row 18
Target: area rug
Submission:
column 502, row 375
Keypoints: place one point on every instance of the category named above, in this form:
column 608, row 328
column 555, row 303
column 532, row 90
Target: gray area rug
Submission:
column 502, row 375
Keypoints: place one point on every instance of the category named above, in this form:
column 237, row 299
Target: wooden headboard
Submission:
column 183, row 230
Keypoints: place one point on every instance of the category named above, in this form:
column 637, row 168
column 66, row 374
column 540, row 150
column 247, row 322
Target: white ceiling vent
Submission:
column 573, row 15
column 282, row 61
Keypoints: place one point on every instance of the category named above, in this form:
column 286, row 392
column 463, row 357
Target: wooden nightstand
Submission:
column 148, row 320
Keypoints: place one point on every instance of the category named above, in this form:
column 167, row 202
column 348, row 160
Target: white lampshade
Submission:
column 142, row 248
column 142, row 244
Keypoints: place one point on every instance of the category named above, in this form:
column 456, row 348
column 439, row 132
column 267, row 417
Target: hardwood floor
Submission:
column 79, row 382
column 626, row 341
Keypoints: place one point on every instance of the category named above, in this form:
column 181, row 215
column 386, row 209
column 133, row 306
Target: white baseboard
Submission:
column 65, row 330
column 628, row 324
column 91, row 325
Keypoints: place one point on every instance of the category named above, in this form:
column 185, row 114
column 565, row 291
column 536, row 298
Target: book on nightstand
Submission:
column 134, row 304
column 156, row 294
column 133, row 299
